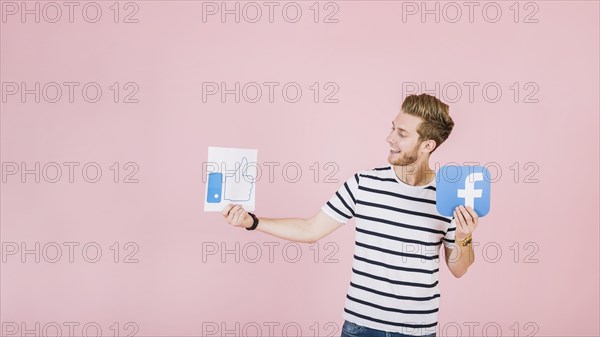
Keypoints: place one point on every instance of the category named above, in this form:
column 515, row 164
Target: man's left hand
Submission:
column 466, row 222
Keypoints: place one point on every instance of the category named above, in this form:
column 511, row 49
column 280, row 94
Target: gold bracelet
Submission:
column 466, row 241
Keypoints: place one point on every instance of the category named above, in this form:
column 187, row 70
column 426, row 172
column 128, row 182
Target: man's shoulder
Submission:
column 378, row 172
column 376, row 169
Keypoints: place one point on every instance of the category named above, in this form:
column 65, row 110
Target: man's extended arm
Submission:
column 294, row 229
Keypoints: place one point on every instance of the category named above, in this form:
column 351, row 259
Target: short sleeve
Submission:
column 449, row 237
column 342, row 204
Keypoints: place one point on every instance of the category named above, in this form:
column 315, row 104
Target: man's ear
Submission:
column 428, row 145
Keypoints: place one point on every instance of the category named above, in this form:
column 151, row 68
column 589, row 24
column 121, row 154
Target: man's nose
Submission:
column 389, row 138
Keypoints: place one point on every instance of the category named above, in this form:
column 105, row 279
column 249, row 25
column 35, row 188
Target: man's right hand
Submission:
column 237, row 216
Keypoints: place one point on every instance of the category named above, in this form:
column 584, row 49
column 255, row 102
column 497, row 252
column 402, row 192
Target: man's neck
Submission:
column 415, row 174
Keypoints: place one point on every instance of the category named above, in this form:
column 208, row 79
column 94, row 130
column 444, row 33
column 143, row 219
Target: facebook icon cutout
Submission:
column 463, row 185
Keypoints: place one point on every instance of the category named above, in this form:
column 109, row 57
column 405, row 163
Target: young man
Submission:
column 394, row 285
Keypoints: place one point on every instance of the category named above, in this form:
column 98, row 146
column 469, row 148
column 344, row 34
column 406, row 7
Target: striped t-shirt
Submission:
column 395, row 269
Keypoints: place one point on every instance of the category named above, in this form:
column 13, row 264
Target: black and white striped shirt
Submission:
column 394, row 283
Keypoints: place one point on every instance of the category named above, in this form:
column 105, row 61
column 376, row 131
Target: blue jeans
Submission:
column 350, row 329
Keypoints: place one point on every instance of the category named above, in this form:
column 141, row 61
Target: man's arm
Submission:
column 459, row 259
column 294, row 229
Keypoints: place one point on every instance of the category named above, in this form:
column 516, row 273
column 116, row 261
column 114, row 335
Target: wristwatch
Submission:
column 254, row 224
column 466, row 241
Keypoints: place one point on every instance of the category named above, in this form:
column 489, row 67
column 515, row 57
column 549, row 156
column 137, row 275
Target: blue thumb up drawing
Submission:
column 215, row 187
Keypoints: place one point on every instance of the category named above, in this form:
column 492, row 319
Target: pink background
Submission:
column 369, row 53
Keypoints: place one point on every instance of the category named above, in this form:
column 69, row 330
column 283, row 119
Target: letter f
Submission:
column 469, row 193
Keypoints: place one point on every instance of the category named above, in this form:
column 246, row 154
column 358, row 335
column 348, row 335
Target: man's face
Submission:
column 403, row 140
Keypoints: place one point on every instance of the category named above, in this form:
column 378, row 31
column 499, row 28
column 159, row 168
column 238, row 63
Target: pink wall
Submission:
column 542, row 133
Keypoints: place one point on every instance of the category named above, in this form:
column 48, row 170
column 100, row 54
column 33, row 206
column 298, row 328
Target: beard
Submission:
column 404, row 158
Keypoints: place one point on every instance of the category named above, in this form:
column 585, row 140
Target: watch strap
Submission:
column 254, row 224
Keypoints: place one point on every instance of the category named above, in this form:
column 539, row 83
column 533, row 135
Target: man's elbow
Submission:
column 319, row 226
column 458, row 274
column 311, row 234
column 310, row 238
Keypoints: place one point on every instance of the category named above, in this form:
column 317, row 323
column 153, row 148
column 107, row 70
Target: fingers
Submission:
column 473, row 214
column 234, row 214
column 460, row 221
column 237, row 215
column 467, row 218
column 226, row 210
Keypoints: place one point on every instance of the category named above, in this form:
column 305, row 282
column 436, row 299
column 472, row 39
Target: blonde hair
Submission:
column 437, row 124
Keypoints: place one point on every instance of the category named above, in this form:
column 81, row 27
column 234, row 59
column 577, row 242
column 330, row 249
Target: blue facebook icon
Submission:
column 463, row 185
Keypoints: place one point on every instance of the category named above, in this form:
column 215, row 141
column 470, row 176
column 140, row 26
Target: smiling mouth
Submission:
column 394, row 151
